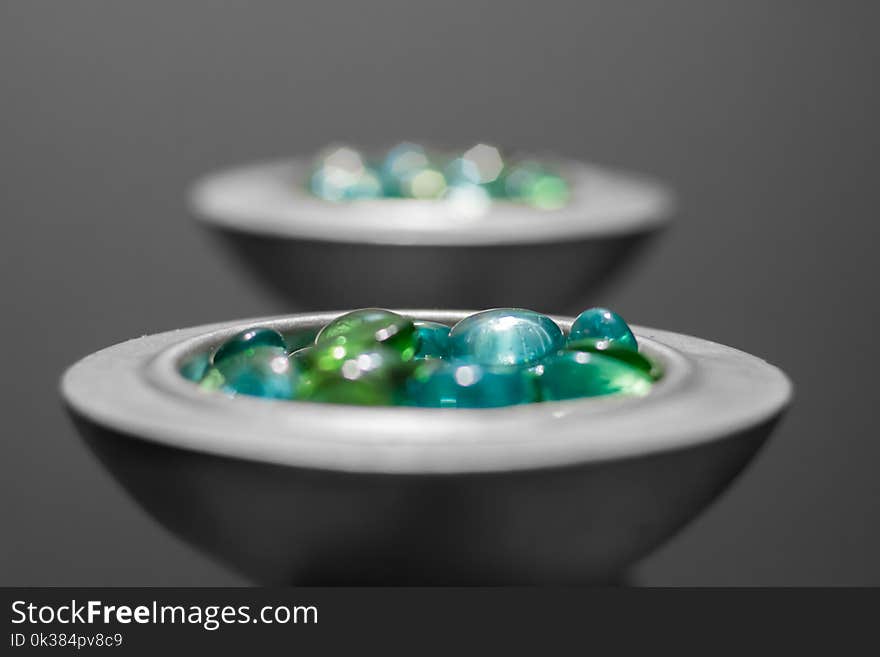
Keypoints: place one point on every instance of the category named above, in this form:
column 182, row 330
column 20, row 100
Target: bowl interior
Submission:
column 708, row 392
column 299, row 334
column 303, row 335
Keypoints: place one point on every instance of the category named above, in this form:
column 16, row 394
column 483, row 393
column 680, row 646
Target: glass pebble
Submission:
column 342, row 175
column 373, row 356
column 349, row 374
column 505, row 336
column 532, row 183
column 433, row 340
column 603, row 324
column 608, row 348
column 260, row 371
column 574, row 374
column 194, row 368
column 253, row 337
column 401, row 163
column 368, row 326
column 423, row 184
column 462, row 384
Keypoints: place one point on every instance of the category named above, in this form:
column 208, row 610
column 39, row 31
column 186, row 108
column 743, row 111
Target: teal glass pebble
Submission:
column 370, row 326
column 433, row 340
column 195, row 367
column 461, row 172
column 463, row 384
column 603, row 324
column 504, row 337
column 574, row 374
column 259, row 371
column 608, row 348
column 330, row 186
column 400, row 164
column 254, row 337
column 342, row 175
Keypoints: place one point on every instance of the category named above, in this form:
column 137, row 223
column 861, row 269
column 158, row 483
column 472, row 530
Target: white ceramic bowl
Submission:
column 401, row 252
column 570, row 491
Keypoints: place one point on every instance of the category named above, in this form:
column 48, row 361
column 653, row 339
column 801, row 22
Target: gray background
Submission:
column 762, row 115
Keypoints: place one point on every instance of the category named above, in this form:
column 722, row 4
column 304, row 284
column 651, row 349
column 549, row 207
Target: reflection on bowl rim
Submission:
column 708, row 392
column 270, row 199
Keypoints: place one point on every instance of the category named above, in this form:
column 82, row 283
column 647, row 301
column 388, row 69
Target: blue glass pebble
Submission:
column 505, row 336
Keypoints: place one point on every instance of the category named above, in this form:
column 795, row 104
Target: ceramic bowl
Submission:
column 436, row 254
column 293, row 492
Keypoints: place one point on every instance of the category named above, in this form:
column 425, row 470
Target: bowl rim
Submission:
column 269, row 199
column 708, row 392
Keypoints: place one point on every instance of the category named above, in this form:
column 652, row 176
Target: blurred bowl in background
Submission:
column 431, row 253
column 295, row 492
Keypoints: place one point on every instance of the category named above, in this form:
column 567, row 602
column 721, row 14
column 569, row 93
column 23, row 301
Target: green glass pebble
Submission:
column 603, row 324
column 349, row 374
column 462, row 384
column 212, row 380
column 253, row 337
column 532, row 183
column 433, row 340
column 425, row 184
column 519, row 179
column 549, row 192
column 505, row 336
column 354, row 361
column 573, row 374
column 356, row 393
column 194, row 368
column 366, row 327
column 260, row 371
column 608, row 348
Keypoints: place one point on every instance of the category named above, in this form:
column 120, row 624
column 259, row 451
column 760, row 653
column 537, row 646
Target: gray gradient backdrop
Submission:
column 762, row 114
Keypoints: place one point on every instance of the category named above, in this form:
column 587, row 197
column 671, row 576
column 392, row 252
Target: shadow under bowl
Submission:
column 295, row 492
column 403, row 252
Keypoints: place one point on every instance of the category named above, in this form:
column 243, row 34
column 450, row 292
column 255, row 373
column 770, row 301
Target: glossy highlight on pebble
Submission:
column 377, row 357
